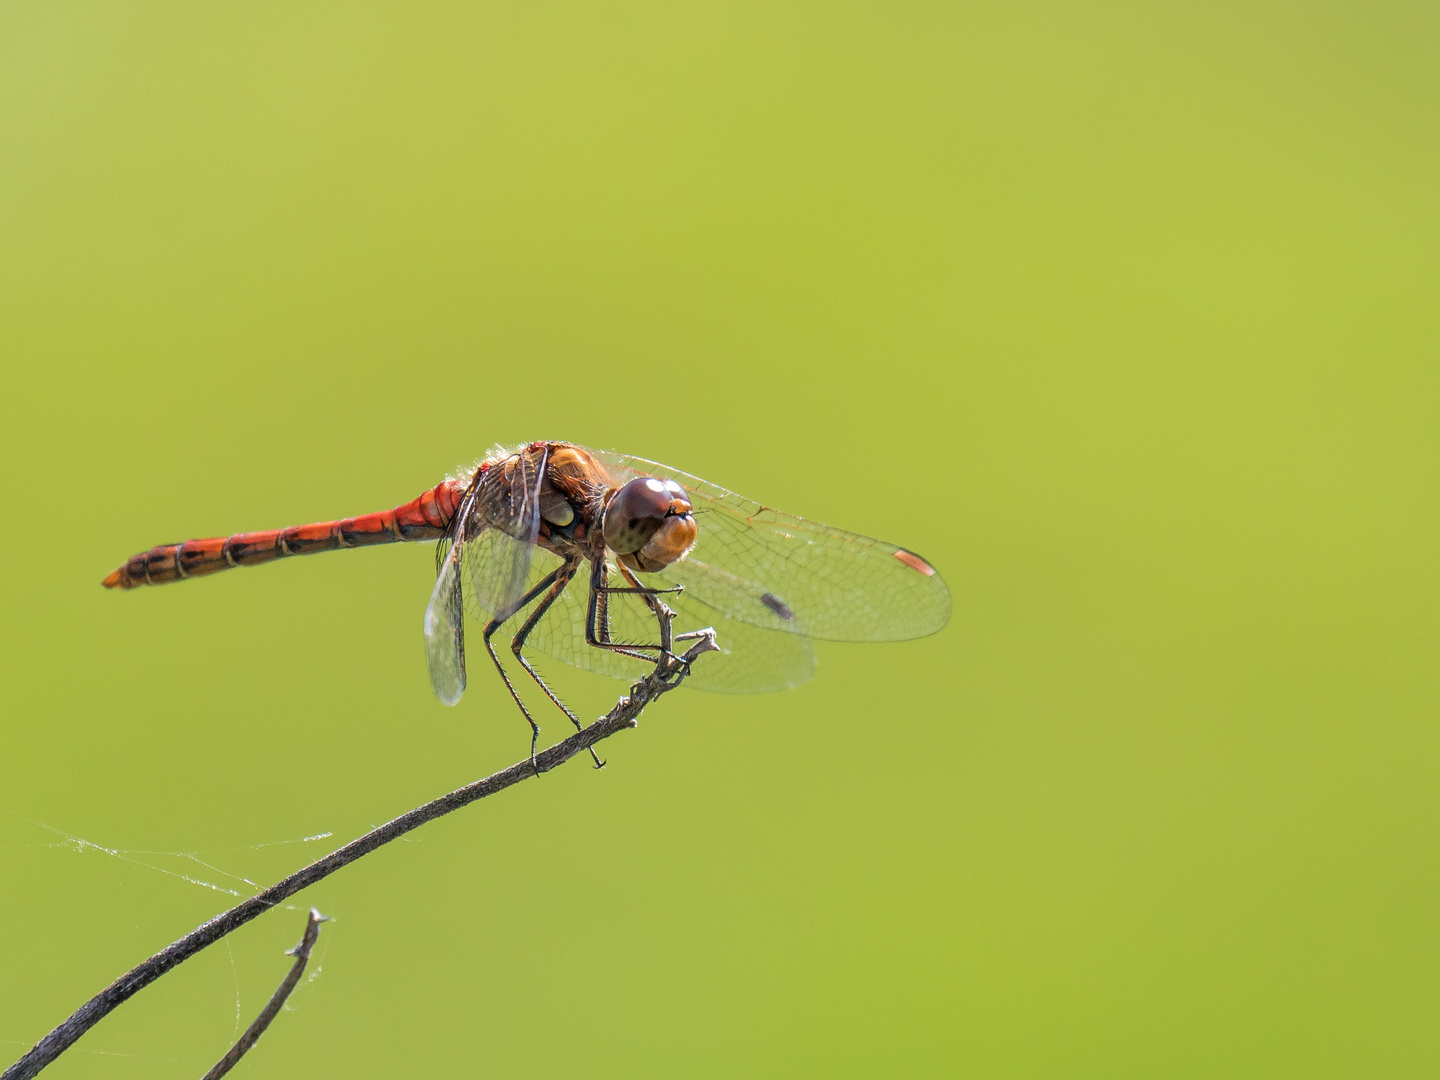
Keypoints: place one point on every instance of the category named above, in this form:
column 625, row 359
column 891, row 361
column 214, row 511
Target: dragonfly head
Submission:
column 649, row 520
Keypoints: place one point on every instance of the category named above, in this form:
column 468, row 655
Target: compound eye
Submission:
column 634, row 514
column 638, row 509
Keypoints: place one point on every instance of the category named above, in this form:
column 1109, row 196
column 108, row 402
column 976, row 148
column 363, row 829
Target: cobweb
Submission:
column 138, row 857
column 198, row 868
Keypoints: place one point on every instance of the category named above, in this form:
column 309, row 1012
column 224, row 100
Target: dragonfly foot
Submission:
column 675, row 669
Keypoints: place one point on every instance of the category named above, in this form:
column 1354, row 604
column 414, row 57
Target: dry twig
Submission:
column 252, row 1034
column 666, row 676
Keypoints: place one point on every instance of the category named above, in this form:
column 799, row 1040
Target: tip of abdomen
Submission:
column 114, row 579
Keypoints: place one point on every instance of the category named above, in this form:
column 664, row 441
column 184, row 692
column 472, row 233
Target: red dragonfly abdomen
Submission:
column 423, row 518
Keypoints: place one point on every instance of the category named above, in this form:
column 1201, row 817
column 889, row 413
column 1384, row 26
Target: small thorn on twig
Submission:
column 301, row 952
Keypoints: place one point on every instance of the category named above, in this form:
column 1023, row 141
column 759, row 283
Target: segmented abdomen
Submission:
column 423, row 518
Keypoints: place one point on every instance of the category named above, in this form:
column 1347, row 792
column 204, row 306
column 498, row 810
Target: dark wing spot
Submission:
column 778, row 606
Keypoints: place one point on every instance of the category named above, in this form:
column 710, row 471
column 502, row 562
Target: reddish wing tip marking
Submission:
column 910, row 559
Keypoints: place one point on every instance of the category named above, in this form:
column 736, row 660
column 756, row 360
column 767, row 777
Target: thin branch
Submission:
column 666, row 676
column 252, row 1034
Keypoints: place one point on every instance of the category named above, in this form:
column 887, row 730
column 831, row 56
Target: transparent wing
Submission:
column 491, row 538
column 755, row 564
column 499, row 533
column 445, row 626
column 753, row 659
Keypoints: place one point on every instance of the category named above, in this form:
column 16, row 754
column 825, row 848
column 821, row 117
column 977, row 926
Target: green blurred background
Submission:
column 1123, row 314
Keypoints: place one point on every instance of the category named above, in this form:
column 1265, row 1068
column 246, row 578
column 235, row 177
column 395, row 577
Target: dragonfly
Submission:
column 588, row 556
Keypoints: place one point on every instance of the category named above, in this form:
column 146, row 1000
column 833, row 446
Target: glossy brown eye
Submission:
column 636, row 513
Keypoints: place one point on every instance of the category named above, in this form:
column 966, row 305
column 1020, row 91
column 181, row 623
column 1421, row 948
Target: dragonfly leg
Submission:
column 662, row 613
column 663, row 617
column 597, row 615
column 648, row 597
column 597, row 618
column 561, row 578
column 490, row 629
column 597, row 623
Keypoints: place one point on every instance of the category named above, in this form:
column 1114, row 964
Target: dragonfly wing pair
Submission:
column 490, row 544
column 767, row 582
column 754, row 563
